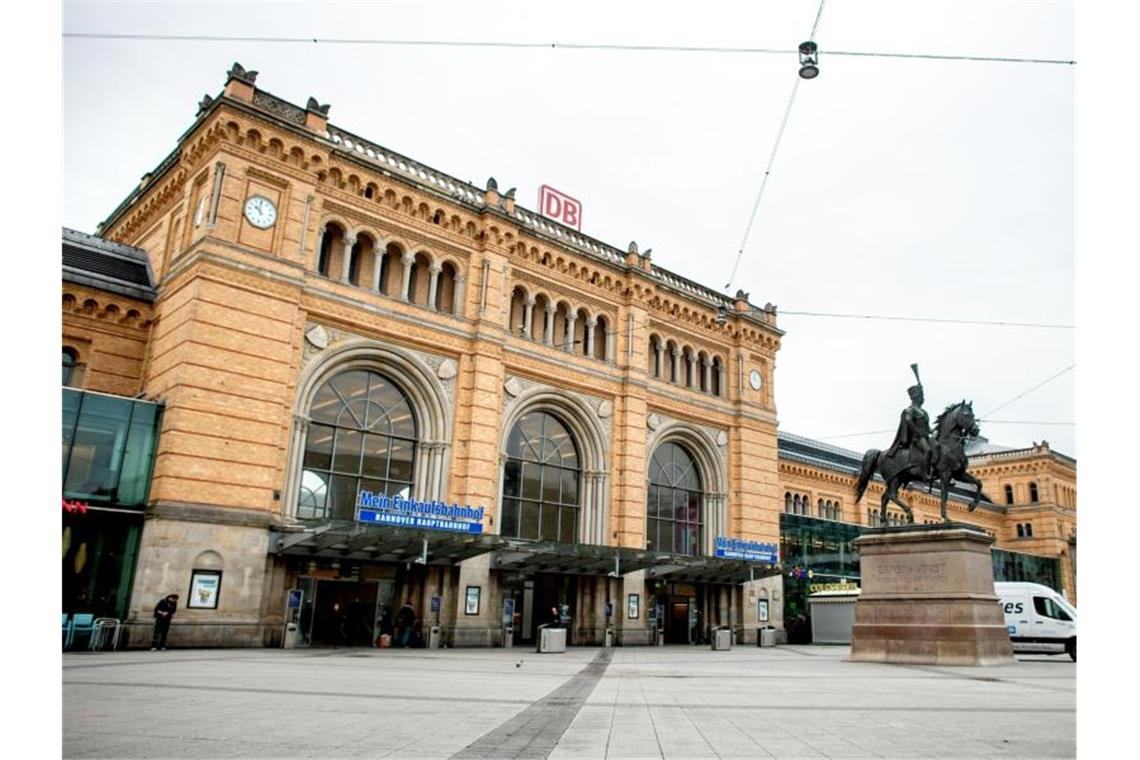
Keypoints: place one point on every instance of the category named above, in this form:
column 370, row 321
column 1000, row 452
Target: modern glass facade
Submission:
column 1014, row 566
column 108, row 448
column 813, row 552
column 108, row 456
column 818, row 552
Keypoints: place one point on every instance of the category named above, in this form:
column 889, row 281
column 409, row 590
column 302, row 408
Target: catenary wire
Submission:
column 984, row 417
column 544, row 45
column 990, row 323
column 763, row 184
column 1049, row 379
column 771, row 160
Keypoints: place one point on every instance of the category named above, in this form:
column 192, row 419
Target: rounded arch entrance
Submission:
column 414, row 381
column 591, row 453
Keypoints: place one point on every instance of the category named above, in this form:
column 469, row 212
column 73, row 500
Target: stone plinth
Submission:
column 928, row 598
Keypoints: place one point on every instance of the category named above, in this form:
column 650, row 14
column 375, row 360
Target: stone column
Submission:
column 571, row 318
column 460, row 296
column 590, row 326
column 435, row 270
column 720, row 380
column 377, row 268
column 320, row 242
column 548, row 334
column 528, row 315
column 676, row 366
column 708, row 374
column 610, row 344
column 346, row 265
column 409, row 260
column 660, row 359
column 691, row 380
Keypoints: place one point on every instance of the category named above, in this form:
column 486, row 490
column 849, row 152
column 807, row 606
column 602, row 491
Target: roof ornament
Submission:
column 316, row 107
column 203, row 104
column 237, row 71
column 632, row 247
column 492, row 184
column 510, row 194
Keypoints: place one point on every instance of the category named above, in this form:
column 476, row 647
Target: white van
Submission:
column 1040, row 621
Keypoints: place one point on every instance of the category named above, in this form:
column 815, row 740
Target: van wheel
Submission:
column 1071, row 648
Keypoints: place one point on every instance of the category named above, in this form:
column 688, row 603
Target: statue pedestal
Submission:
column 928, row 598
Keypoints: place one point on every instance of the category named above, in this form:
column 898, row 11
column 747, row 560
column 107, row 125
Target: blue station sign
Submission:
column 753, row 551
column 382, row 509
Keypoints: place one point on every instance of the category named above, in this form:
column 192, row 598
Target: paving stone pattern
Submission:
column 670, row 702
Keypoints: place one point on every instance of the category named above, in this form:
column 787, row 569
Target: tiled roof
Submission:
column 98, row 263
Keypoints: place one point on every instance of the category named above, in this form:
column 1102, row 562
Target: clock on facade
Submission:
column 260, row 211
column 755, row 380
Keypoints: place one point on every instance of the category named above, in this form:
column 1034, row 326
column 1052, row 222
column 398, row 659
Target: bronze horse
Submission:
column 953, row 427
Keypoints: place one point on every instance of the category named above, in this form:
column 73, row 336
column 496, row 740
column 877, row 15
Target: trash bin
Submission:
column 289, row 641
column 609, row 637
column 766, row 637
column 435, row 637
column 551, row 640
column 508, row 636
column 722, row 640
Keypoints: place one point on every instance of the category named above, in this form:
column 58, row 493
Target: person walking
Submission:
column 163, row 612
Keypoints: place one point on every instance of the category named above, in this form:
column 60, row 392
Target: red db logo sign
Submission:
column 560, row 207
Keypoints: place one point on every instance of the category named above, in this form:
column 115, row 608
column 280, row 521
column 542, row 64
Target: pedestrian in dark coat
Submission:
column 163, row 612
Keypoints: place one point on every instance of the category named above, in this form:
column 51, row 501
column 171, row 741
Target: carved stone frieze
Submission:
column 595, row 404
column 437, row 365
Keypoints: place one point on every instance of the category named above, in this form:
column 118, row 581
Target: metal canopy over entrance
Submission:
column 381, row 543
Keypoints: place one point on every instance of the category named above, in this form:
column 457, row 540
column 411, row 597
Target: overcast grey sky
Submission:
column 902, row 187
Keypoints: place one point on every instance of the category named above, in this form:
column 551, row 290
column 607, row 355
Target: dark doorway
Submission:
column 344, row 613
column 542, row 600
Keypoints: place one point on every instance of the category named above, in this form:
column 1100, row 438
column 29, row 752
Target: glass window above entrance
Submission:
column 362, row 435
column 540, row 481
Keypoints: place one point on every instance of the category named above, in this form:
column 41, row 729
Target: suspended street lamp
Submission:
column 809, row 60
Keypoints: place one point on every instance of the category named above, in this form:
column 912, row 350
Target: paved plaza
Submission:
column 671, row 702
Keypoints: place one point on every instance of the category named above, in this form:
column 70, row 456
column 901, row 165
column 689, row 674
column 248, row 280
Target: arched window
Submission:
column 1029, row 530
column 1009, row 494
column 1020, row 531
column 821, row 509
column 787, row 502
column 674, row 509
column 541, row 479
column 361, row 436
column 70, row 356
column 1033, row 493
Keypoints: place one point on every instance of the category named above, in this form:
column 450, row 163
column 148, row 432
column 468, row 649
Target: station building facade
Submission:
column 379, row 384
column 335, row 323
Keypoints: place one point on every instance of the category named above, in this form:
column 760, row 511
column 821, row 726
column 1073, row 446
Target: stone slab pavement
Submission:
column 667, row 702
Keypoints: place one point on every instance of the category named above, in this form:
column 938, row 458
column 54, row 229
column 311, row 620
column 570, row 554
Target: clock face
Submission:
column 260, row 212
column 755, row 380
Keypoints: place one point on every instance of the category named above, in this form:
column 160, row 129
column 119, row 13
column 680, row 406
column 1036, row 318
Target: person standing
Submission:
column 163, row 613
column 405, row 619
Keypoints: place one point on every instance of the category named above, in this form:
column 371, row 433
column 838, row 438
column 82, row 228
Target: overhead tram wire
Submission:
column 984, row 417
column 544, row 45
column 771, row 161
column 937, row 320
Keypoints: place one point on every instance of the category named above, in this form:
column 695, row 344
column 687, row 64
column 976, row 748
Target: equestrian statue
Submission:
column 919, row 456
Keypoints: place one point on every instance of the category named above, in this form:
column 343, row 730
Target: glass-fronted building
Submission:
column 108, row 454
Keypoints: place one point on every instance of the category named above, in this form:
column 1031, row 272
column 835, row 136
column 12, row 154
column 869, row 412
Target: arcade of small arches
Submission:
column 363, row 259
column 800, row 504
column 685, row 366
column 539, row 317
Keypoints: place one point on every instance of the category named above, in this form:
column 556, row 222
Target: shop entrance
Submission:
column 345, row 613
column 538, row 601
column 683, row 616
